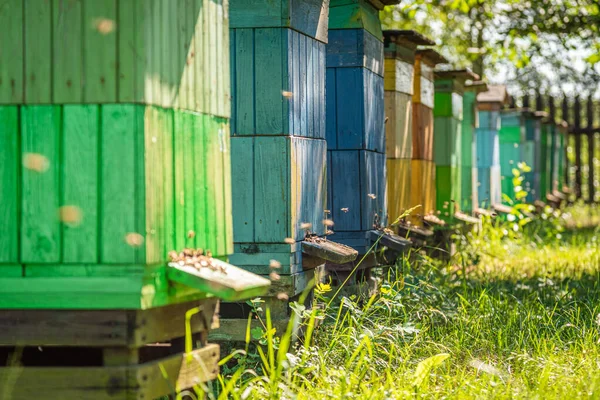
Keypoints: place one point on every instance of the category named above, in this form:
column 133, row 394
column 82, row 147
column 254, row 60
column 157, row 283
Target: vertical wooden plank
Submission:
column 9, row 184
column 322, row 88
column 67, row 50
column 591, row 148
column 127, row 26
column 168, row 180
column 345, row 187
column 578, row 149
column 200, row 166
column 38, row 53
column 11, row 52
column 227, row 181
column 167, row 61
column 218, row 184
column 80, row 182
column 220, row 58
column 142, row 54
column 140, row 189
column 211, row 155
column 100, row 51
column 269, row 61
column 183, row 53
column 272, row 189
column 331, row 107
column 40, row 226
column 244, row 78
column 350, row 103
column 179, row 155
column 118, row 185
column 312, row 88
column 302, row 58
column 242, row 187
column 212, row 56
column 200, row 40
column 294, row 71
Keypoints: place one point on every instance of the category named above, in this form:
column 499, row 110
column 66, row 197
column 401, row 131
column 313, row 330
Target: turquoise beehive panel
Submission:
column 309, row 17
column 278, row 83
column 487, row 152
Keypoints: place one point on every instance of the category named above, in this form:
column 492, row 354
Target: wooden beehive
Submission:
column 470, row 123
column 278, row 151
column 511, row 136
column 489, row 105
column 558, row 176
column 447, row 152
column 111, row 165
column 355, row 122
column 114, row 141
column 533, row 153
column 422, row 164
column 399, row 51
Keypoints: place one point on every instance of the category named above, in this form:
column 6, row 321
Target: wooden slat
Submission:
column 272, row 189
column 100, row 51
column 180, row 371
column 67, row 39
column 40, row 227
column 128, row 26
column 212, row 155
column 228, row 192
column 80, row 182
column 242, row 180
column 114, row 328
column 345, row 180
column 350, row 102
column 244, row 88
column 270, row 69
column 118, row 199
column 226, row 281
column 9, row 186
column 168, row 181
column 38, row 53
column 11, row 54
column 198, row 127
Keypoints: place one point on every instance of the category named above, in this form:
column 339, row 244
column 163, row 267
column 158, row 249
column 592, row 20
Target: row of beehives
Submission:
column 336, row 126
column 117, row 150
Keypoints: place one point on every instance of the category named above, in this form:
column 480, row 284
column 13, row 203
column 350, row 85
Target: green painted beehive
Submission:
column 448, row 148
column 114, row 141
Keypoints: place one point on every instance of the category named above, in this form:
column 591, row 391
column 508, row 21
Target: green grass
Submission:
column 515, row 315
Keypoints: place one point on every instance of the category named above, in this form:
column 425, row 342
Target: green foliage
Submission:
column 533, row 42
column 521, row 320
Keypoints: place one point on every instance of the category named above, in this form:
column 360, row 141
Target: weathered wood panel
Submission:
column 399, row 182
column 309, row 17
column 10, row 168
column 103, row 51
column 399, row 125
column 422, row 137
column 353, row 14
column 40, row 225
column 11, row 54
column 278, row 83
column 355, row 48
column 79, row 175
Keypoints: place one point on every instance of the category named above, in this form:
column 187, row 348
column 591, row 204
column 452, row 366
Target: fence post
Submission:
column 565, row 117
column 577, row 121
column 591, row 146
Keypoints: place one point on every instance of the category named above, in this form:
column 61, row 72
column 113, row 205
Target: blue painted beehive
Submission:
column 355, row 122
column 487, row 145
column 278, row 147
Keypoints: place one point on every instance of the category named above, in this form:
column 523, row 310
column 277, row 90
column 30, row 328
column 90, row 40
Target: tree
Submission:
column 527, row 42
